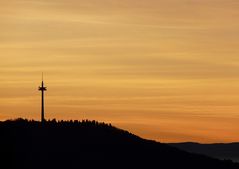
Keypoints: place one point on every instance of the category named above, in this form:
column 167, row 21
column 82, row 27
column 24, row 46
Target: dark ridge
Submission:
column 90, row 144
column 218, row 150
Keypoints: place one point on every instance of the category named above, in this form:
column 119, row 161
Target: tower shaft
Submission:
column 42, row 88
column 42, row 106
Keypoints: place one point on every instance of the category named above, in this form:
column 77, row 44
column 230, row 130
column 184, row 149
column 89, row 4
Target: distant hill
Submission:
column 89, row 144
column 221, row 151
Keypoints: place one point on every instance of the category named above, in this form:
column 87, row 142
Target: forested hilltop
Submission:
column 90, row 144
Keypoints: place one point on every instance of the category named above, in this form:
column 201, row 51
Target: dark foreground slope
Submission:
column 87, row 144
column 221, row 151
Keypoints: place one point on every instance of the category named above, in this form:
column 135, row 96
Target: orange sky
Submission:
column 162, row 69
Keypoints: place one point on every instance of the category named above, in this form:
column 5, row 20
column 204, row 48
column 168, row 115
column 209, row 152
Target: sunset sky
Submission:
column 162, row 69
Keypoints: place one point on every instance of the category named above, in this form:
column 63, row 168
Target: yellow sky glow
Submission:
column 163, row 69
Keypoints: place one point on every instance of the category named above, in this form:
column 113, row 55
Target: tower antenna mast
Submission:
column 42, row 88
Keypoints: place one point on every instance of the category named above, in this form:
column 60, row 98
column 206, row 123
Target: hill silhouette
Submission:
column 90, row 144
column 218, row 150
